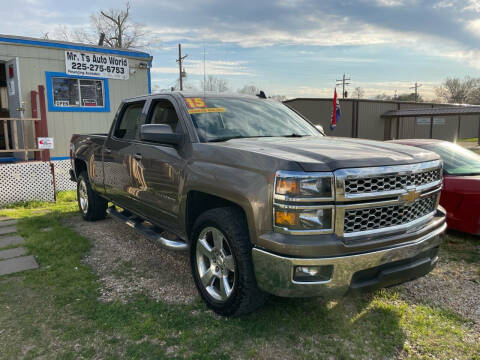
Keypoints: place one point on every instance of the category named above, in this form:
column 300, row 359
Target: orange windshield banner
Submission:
column 205, row 110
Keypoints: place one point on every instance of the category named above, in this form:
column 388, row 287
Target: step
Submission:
column 11, row 240
column 150, row 232
column 8, row 222
column 12, row 253
column 8, row 230
column 11, row 266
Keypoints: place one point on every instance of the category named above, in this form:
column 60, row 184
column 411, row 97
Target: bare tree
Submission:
column 409, row 97
column 216, row 84
column 279, row 98
column 249, row 90
column 62, row 33
column 382, row 97
column 110, row 28
column 116, row 28
column 358, row 92
column 454, row 90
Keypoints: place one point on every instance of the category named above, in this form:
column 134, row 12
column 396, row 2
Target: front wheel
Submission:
column 221, row 262
column 92, row 207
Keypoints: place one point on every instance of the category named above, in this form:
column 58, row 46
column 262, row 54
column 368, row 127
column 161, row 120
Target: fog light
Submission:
column 308, row 270
column 313, row 273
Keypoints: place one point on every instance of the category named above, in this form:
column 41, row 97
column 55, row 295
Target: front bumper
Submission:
column 391, row 266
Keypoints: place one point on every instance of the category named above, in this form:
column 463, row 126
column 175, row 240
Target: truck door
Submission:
column 160, row 168
column 15, row 105
column 118, row 154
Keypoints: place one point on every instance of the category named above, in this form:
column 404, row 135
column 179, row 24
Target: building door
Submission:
column 15, row 105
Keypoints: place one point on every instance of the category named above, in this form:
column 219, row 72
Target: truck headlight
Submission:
column 303, row 202
column 290, row 184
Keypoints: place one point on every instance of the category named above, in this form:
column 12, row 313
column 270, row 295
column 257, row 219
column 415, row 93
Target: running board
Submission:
column 149, row 232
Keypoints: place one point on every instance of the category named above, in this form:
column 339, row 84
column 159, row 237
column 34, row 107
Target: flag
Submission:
column 336, row 111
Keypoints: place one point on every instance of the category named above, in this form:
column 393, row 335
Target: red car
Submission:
column 461, row 183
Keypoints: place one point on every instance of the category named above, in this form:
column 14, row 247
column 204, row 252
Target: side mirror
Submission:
column 320, row 128
column 160, row 133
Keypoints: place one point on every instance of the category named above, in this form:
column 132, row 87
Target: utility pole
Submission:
column 180, row 68
column 343, row 82
column 416, row 86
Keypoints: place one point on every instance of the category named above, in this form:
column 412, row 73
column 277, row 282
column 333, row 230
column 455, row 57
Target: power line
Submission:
column 343, row 82
column 180, row 68
column 416, row 86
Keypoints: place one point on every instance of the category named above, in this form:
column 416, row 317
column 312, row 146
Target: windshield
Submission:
column 222, row 119
column 456, row 159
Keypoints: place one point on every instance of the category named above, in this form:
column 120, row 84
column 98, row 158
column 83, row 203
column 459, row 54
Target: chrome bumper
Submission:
column 274, row 273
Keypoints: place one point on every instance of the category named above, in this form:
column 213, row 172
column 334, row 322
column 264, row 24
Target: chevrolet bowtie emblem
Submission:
column 410, row 197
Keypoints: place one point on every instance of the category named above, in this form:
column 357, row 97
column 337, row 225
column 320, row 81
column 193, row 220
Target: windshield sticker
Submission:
column 194, row 103
column 206, row 110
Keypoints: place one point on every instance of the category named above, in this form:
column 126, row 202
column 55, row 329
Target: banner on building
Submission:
column 96, row 65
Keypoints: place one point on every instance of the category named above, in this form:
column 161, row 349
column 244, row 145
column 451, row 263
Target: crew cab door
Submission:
column 118, row 155
column 160, row 168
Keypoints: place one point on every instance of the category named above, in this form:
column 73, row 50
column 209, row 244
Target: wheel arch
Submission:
column 80, row 165
column 197, row 202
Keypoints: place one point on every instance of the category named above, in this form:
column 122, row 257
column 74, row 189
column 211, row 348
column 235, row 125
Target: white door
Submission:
column 15, row 103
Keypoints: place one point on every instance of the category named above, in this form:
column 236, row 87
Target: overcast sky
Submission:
column 289, row 47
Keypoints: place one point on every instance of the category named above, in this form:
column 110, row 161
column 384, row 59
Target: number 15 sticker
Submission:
column 194, row 103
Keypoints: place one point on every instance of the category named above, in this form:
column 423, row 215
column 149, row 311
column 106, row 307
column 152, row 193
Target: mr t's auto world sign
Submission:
column 96, row 65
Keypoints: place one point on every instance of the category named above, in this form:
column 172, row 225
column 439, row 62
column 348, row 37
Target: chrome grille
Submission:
column 386, row 216
column 390, row 182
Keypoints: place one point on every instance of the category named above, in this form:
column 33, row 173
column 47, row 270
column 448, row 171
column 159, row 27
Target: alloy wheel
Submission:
column 83, row 196
column 215, row 264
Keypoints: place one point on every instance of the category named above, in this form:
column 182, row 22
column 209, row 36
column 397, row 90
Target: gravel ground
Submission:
column 454, row 285
column 128, row 263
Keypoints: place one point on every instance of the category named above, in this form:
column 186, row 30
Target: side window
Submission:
column 164, row 113
column 127, row 126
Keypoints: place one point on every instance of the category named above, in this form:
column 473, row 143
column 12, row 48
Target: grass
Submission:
column 468, row 140
column 458, row 246
column 53, row 312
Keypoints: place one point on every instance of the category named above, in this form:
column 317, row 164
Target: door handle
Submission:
column 138, row 156
column 107, row 150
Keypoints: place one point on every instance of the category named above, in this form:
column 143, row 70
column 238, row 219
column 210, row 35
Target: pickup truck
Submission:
column 264, row 202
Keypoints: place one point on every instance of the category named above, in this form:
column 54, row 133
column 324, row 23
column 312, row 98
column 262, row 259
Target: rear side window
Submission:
column 128, row 124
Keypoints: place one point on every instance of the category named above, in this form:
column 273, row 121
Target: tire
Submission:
column 91, row 205
column 224, row 261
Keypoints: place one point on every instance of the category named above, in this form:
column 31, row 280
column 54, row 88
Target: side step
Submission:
column 149, row 231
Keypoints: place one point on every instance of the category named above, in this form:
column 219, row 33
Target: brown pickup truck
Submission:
column 262, row 200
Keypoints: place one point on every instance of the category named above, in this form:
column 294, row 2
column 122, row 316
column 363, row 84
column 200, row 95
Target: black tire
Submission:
column 245, row 296
column 95, row 207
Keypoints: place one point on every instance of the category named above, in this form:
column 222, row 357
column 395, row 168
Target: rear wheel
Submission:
column 91, row 205
column 221, row 261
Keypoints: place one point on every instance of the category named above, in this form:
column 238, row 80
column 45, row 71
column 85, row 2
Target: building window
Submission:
column 76, row 93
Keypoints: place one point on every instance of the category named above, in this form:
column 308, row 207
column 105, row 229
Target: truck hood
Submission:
column 318, row 153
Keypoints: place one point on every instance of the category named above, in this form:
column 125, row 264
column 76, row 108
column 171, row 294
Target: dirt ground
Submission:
column 128, row 263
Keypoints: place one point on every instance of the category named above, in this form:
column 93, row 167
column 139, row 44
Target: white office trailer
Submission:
column 48, row 91
column 83, row 86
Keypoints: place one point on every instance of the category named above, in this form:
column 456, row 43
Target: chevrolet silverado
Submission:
column 264, row 202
